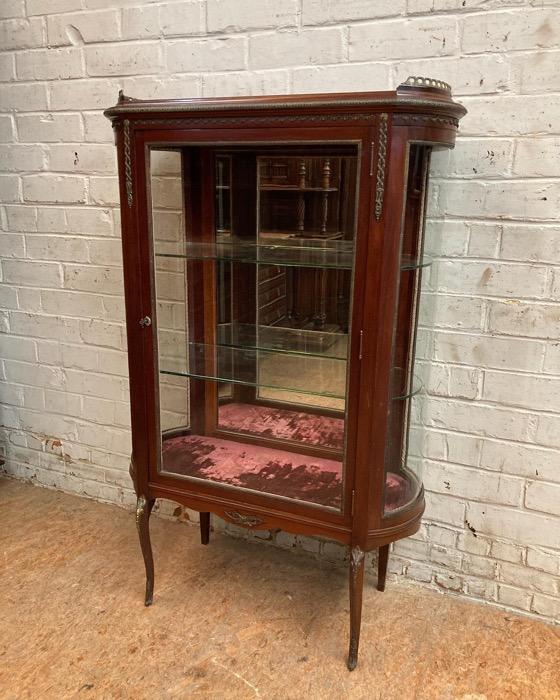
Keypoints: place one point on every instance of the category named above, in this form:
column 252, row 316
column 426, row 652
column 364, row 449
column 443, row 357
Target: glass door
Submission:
column 253, row 266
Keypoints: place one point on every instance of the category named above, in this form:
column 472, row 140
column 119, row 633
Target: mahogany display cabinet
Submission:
column 273, row 254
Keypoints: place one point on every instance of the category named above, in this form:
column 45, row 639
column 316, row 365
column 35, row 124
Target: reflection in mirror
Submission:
column 302, row 202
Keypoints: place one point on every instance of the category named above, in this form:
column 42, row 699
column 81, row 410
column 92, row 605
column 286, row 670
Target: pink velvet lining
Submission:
column 254, row 467
column 282, row 423
column 279, row 472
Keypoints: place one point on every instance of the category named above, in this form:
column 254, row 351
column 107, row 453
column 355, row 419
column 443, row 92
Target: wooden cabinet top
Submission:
column 415, row 96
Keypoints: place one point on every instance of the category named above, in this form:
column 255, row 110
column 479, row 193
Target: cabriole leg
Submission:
column 382, row 559
column 356, row 590
column 143, row 510
column 204, row 528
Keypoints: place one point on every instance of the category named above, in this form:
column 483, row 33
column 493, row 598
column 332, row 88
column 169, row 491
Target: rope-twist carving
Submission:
column 381, row 162
column 127, row 163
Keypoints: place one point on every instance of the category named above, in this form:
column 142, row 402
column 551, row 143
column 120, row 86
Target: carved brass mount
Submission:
column 245, row 520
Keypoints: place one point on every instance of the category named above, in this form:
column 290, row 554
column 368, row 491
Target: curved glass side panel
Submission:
column 403, row 451
column 253, row 259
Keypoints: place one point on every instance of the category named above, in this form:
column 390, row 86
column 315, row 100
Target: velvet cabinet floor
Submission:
column 274, row 250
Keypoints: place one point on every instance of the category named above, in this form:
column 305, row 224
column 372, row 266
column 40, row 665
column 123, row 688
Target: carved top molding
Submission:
column 426, row 119
column 218, row 120
column 406, row 98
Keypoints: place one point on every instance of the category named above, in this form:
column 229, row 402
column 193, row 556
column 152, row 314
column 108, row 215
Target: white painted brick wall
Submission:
column 492, row 526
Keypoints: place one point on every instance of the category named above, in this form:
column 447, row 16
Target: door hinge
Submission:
column 371, row 151
column 360, row 355
column 352, row 502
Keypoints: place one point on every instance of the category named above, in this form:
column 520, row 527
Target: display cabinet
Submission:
column 273, row 253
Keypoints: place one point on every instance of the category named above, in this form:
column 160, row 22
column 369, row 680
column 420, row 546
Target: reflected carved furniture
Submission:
column 273, row 254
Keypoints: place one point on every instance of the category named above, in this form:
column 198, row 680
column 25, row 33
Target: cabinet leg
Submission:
column 382, row 559
column 204, row 528
column 356, row 589
column 143, row 510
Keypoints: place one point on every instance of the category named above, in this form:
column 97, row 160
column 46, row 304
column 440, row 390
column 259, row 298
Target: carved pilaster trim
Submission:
column 128, row 163
column 381, row 164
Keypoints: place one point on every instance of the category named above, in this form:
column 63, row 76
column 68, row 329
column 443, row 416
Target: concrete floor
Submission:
column 231, row 620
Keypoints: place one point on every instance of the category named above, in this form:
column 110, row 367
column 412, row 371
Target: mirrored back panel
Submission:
column 253, row 269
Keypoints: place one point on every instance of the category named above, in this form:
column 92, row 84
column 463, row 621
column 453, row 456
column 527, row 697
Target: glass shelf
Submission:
column 408, row 263
column 305, row 374
column 279, row 368
column 290, row 252
column 294, row 341
column 295, row 188
column 308, row 234
column 416, row 387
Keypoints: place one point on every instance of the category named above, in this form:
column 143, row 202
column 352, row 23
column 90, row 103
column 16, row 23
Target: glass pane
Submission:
column 287, row 252
column 264, row 255
column 402, row 454
column 266, row 466
column 286, row 371
column 170, row 277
